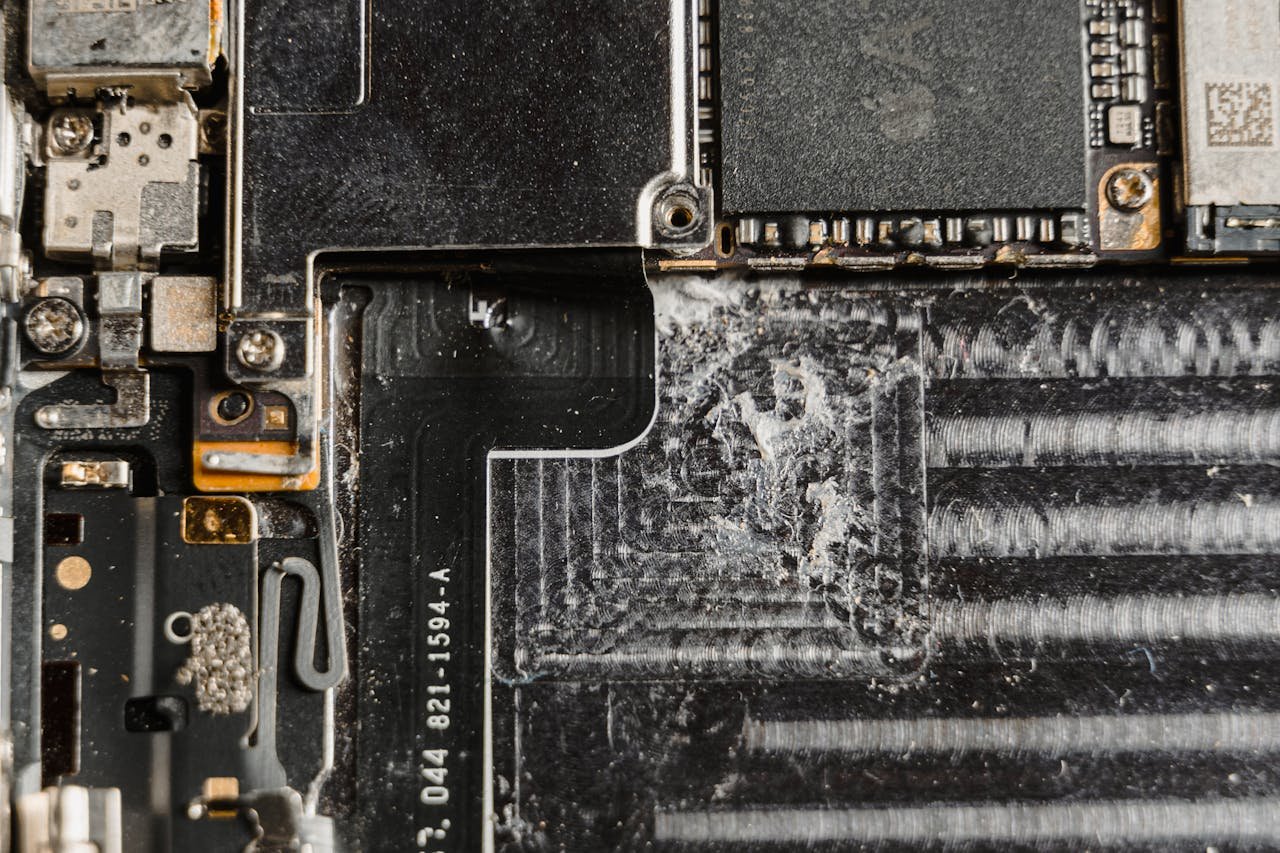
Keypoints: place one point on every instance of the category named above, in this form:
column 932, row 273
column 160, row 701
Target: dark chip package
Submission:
column 901, row 105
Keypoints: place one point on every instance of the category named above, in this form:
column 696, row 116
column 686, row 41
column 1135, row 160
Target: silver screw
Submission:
column 53, row 326
column 70, row 133
column 261, row 350
column 1130, row 189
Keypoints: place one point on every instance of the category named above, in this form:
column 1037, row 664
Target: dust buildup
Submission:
column 221, row 661
column 751, row 531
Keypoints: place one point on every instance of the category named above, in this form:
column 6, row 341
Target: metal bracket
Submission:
column 121, row 195
column 132, row 407
column 258, row 463
column 120, row 319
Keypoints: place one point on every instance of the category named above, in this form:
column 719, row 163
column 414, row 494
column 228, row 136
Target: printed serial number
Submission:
column 434, row 793
column 436, row 715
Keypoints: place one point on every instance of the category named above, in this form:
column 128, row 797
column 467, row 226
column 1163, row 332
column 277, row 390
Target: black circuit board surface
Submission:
column 695, row 426
column 890, row 568
column 989, row 570
column 723, row 564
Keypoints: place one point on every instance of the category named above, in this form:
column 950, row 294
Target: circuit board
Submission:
column 674, row 425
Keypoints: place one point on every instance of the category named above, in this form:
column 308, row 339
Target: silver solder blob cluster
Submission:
column 221, row 661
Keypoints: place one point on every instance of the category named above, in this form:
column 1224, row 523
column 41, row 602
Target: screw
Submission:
column 70, row 133
column 53, row 326
column 1130, row 189
column 261, row 350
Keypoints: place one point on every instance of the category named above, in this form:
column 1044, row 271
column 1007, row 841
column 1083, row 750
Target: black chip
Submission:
column 832, row 105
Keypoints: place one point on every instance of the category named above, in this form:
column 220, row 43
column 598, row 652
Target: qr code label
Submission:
column 1241, row 114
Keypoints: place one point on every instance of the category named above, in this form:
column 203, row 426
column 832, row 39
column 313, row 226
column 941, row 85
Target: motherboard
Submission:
column 685, row 426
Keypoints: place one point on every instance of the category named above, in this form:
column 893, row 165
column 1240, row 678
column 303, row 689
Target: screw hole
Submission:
column 164, row 140
column 231, row 407
column 677, row 213
column 178, row 627
column 123, row 139
column 679, row 217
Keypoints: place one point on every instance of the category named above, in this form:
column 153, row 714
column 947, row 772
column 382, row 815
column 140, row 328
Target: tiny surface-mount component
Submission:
column 70, row 818
column 1133, row 32
column 106, row 473
column 1124, row 124
column 1102, row 69
column 275, row 417
column 219, row 797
